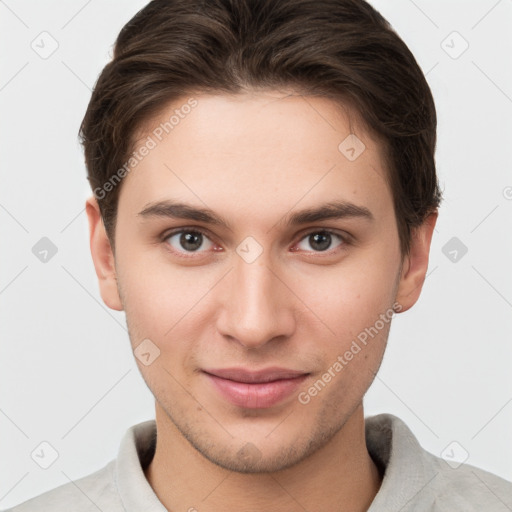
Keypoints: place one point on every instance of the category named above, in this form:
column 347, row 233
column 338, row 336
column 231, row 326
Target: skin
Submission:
column 255, row 159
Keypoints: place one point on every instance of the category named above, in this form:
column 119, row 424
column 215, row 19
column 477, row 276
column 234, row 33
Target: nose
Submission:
column 258, row 307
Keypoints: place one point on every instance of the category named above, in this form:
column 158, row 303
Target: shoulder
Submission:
column 469, row 488
column 120, row 481
column 96, row 491
column 417, row 480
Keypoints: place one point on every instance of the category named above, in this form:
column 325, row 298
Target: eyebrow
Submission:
column 327, row 211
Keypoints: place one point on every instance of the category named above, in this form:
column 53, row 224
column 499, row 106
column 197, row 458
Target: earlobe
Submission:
column 102, row 256
column 415, row 264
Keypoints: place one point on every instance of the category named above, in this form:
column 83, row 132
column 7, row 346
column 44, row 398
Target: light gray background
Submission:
column 67, row 375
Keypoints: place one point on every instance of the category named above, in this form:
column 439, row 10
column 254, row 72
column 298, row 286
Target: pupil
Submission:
column 322, row 241
column 191, row 241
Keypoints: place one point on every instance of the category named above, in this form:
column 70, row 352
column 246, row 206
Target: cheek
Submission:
column 159, row 296
column 164, row 301
column 351, row 297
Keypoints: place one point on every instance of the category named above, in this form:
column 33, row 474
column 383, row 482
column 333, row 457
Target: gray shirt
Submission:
column 414, row 479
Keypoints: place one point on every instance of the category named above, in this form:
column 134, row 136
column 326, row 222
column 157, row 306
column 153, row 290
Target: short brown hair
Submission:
column 339, row 49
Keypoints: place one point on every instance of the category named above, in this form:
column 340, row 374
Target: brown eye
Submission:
column 320, row 241
column 188, row 241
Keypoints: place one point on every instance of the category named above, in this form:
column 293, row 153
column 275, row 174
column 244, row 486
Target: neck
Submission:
column 341, row 475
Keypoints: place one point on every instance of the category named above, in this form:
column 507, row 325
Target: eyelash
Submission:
column 344, row 238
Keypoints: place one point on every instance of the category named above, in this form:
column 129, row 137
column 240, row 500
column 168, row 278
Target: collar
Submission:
column 407, row 468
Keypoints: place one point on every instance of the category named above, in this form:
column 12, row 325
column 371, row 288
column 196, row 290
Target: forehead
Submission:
column 240, row 150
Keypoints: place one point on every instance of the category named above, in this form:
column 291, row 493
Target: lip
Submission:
column 255, row 389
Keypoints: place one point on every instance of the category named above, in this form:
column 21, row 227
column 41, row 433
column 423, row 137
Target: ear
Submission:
column 415, row 264
column 102, row 256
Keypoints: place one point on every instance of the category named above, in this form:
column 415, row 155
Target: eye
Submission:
column 321, row 241
column 188, row 241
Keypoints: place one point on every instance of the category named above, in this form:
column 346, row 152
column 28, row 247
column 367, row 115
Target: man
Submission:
column 264, row 200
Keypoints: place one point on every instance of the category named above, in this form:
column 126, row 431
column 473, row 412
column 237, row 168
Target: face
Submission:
column 260, row 261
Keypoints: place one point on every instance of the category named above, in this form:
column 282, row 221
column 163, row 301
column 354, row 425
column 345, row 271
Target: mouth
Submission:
column 255, row 389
